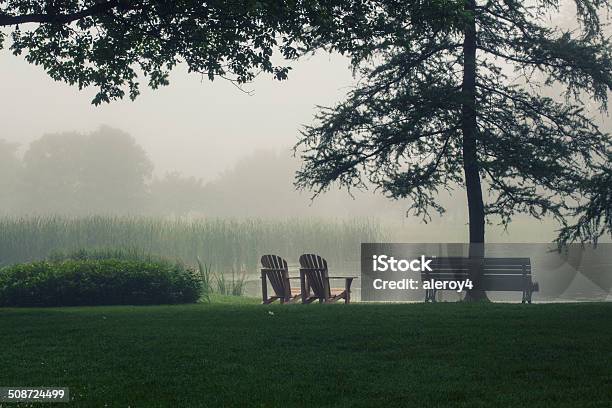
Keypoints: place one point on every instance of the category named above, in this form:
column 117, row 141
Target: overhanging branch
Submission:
column 99, row 8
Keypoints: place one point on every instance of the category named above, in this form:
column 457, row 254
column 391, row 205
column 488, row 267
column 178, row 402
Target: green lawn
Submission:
column 238, row 354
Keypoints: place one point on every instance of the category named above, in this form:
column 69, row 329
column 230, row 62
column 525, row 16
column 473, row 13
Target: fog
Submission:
column 208, row 149
column 193, row 126
column 195, row 133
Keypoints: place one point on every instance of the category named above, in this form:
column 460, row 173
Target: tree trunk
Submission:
column 470, row 157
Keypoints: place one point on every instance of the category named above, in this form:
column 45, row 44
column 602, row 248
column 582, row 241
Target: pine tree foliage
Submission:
column 538, row 149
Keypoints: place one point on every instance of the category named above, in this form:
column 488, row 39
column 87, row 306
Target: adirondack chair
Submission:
column 274, row 269
column 314, row 279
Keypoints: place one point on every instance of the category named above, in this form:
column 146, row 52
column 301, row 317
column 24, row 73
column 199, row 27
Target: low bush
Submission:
column 126, row 254
column 92, row 281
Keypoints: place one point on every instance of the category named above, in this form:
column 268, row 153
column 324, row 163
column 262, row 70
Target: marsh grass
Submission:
column 233, row 287
column 206, row 277
column 219, row 283
column 225, row 244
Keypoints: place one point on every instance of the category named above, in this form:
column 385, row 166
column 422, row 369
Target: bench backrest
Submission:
column 498, row 273
column 491, row 266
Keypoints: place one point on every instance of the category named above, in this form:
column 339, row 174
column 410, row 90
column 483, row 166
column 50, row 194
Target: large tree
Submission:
column 464, row 94
column 103, row 172
column 108, row 43
column 438, row 105
column 10, row 169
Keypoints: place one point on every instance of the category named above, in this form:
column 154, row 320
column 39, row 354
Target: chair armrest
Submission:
column 348, row 281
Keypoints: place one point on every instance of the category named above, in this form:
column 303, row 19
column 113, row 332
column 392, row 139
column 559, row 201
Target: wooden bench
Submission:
column 498, row 274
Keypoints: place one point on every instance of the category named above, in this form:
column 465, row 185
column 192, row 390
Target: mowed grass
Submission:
column 362, row 355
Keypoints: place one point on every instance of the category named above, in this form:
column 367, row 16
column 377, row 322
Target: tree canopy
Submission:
column 102, row 172
column 485, row 96
column 110, row 44
column 451, row 93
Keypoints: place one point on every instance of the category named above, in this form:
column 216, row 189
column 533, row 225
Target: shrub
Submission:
column 87, row 281
column 126, row 254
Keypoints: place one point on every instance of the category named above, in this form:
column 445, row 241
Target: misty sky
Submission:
column 194, row 126
column 201, row 128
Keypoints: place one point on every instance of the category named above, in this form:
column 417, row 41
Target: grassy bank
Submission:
column 239, row 354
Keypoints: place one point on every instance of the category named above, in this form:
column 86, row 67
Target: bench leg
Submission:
column 529, row 296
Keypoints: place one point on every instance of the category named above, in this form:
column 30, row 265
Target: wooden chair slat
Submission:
column 315, row 277
column 275, row 270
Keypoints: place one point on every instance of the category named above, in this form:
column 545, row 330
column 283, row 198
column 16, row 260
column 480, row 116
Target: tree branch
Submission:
column 99, row 8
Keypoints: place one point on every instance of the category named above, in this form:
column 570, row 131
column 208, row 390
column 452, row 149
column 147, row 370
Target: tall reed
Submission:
column 226, row 244
column 206, row 277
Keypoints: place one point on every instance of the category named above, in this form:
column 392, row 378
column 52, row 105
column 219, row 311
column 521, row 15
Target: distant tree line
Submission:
column 103, row 172
column 107, row 172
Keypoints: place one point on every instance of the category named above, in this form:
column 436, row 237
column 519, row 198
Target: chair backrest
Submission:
column 317, row 276
column 277, row 272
